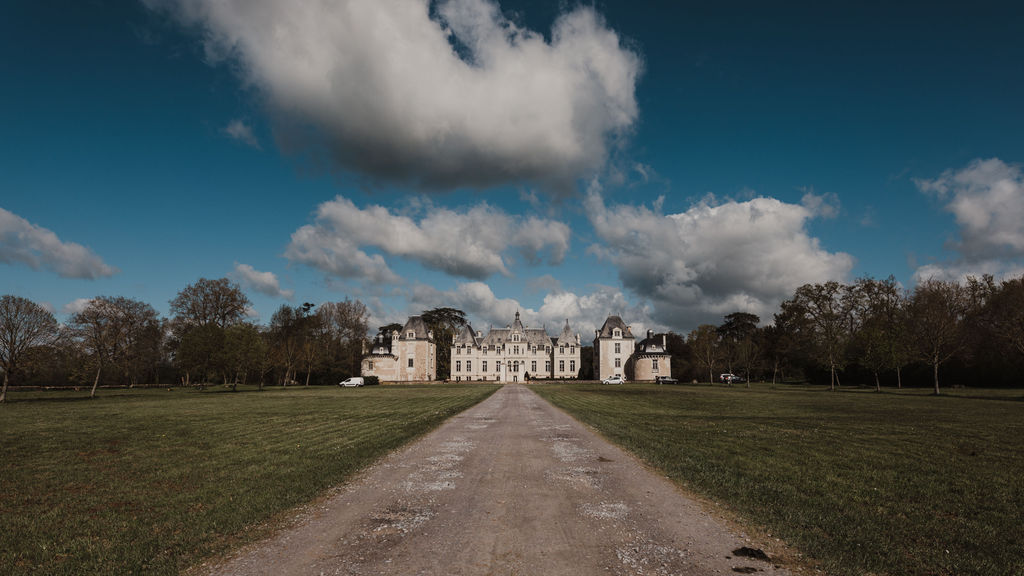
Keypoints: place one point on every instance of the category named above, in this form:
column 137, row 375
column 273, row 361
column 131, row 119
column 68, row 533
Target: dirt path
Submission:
column 512, row 486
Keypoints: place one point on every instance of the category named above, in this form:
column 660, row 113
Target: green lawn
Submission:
column 153, row 481
column 866, row 483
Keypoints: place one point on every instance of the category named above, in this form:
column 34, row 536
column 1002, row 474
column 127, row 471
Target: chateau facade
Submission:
column 516, row 353
column 616, row 352
column 406, row 356
column 512, row 353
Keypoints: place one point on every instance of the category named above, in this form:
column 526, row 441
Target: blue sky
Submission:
column 669, row 162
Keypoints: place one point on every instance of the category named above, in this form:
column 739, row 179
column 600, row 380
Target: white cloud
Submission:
column 987, row 199
column 585, row 313
column 441, row 94
column 820, row 205
column 75, row 306
column 239, row 130
column 959, row 271
column 22, row 241
column 469, row 243
column 262, row 282
column 715, row 258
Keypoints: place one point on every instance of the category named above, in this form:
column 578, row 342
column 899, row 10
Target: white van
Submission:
column 352, row 382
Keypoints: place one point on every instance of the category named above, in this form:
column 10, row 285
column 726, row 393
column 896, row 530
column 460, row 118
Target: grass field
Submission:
column 866, row 483
column 153, row 481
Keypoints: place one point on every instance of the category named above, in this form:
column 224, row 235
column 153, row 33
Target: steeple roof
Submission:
column 611, row 324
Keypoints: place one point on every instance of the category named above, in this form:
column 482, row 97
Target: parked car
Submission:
column 665, row 380
column 352, row 382
column 616, row 379
column 730, row 378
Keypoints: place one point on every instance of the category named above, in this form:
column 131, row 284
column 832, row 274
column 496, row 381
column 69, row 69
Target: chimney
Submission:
column 650, row 334
column 664, row 341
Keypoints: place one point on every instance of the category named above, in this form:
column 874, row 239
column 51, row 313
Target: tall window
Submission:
column 618, row 347
column 533, row 366
column 561, row 349
column 483, row 367
column 458, row 349
column 410, row 362
column 458, row 365
column 654, row 364
column 515, row 366
column 561, row 365
column 371, row 364
column 572, row 366
column 469, row 366
column 547, row 366
column 618, row 363
column 572, row 349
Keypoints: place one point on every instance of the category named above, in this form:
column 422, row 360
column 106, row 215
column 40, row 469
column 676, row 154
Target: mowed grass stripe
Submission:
column 866, row 483
column 152, row 481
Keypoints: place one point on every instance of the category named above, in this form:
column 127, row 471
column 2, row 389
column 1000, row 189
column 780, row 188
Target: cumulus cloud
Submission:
column 987, row 199
column 585, row 313
column 959, row 271
column 715, row 258
column 24, row 242
column 470, row 243
column 242, row 132
column 262, row 282
column 75, row 306
column 440, row 94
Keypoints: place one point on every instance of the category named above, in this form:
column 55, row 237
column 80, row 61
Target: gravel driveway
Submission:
column 511, row 486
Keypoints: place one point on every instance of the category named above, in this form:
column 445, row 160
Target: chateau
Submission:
column 617, row 353
column 513, row 353
column 516, row 353
column 406, row 356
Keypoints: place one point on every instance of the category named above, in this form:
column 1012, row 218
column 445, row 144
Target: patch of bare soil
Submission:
column 511, row 486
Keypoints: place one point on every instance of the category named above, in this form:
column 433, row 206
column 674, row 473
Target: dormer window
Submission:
column 515, row 337
column 411, row 335
column 617, row 333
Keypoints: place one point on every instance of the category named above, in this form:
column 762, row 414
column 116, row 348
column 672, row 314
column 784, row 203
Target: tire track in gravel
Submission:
column 510, row 486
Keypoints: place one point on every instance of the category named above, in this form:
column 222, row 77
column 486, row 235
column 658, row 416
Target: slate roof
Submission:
column 497, row 337
column 566, row 337
column 381, row 345
column 653, row 344
column 612, row 323
column 467, row 337
column 417, row 325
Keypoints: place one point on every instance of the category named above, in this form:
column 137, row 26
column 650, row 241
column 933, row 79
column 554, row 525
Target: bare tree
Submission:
column 1005, row 313
column 936, row 313
column 142, row 335
column 345, row 325
column 100, row 328
column 243, row 349
column 879, row 339
column 24, row 325
column 704, row 341
column 286, row 330
column 822, row 316
column 737, row 340
column 219, row 302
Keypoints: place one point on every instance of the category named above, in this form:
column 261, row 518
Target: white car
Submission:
column 617, row 379
column 352, row 382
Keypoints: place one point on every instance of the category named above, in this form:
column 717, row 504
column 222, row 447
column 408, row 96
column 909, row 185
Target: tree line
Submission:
column 208, row 339
column 869, row 332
